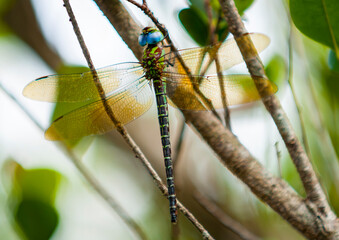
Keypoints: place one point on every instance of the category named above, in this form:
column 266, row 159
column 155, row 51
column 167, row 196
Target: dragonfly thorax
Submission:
column 153, row 62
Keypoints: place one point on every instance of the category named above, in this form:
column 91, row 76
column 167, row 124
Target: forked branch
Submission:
column 136, row 150
column 274, row 191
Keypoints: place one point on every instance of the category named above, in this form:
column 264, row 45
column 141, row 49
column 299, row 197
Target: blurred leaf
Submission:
column 195, row 20
column 198, row 4
column 38, row 184
column 334, row 196
column 31, row 200
column 196, row 24
column 222, row 31
column 36, row 219
column 331, row 80
column 242, row 5
column 318, row 20
column 276, row 70
column 333, row 62
column 4, row 6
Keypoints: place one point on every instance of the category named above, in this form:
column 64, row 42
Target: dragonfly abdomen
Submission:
column 162, row 106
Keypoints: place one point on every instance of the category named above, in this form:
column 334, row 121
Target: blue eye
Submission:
column 142, row 40
column 154, row 37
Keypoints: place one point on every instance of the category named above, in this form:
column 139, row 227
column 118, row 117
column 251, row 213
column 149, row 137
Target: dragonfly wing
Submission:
column 126, row 104
column 239, row 89
column 81, row 87
column 198, row 60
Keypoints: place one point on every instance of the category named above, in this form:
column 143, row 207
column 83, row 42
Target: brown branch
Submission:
column 91, row 180
column 213, row 40
column 21, row 19
column 255, row 67
column 143, row 7
column 127, row 28
column 273, row 191
column 138, row 153
column 315, row 194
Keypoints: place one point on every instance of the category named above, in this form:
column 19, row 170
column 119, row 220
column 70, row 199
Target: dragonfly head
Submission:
column 150, row 35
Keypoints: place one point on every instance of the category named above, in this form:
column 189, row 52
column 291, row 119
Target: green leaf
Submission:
column 196, row 24
column 242, row 5
column 222, row 31
column 198, row 4
column 333, row 62
column 331, row 81
column 38, row 184
column 318, row 19
column 36, row 219
column 195, row 20
column 276, row 70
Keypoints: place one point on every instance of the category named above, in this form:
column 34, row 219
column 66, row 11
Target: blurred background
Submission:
column 43, row 195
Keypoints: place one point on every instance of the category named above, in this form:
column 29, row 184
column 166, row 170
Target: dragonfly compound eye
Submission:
column 154, row 37
column 142, row 40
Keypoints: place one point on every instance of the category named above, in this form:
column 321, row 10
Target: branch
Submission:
column 127, row 28
column 273, row 191
column 315, row 194
column 137, row 151
column 91, row 180
column 255, row 67
column 22, row 21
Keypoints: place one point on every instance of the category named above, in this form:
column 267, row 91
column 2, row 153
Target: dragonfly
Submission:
column 129, row 90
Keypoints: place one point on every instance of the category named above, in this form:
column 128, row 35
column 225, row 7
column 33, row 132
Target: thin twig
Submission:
column 318, row 121
column 207, row 102
column 164, row 191
column 129, row 29
column 92, row 181
column 137, row 151
column 290, row 83
column 278, row 152
column 309, row 179
column 11, row 96
column 213, row 41
column 226, row 220
column 104, row 194
column 273, row 191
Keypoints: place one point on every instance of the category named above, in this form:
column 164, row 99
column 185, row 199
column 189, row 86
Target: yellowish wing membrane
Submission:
column 93, row 119
column 239, row 89
column 81, row 87
column 200, row 60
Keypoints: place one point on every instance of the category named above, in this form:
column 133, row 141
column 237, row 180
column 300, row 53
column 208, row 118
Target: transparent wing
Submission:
column 126, row 104
column 80, row 87
column 197, row 59
column 239, row 89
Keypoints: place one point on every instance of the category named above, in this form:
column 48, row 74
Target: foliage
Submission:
column 317, row 20
column 33, row 192
column 195, row 20
column 32, row 198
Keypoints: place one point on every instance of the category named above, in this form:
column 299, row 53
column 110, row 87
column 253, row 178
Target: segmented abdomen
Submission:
column 160, row 92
